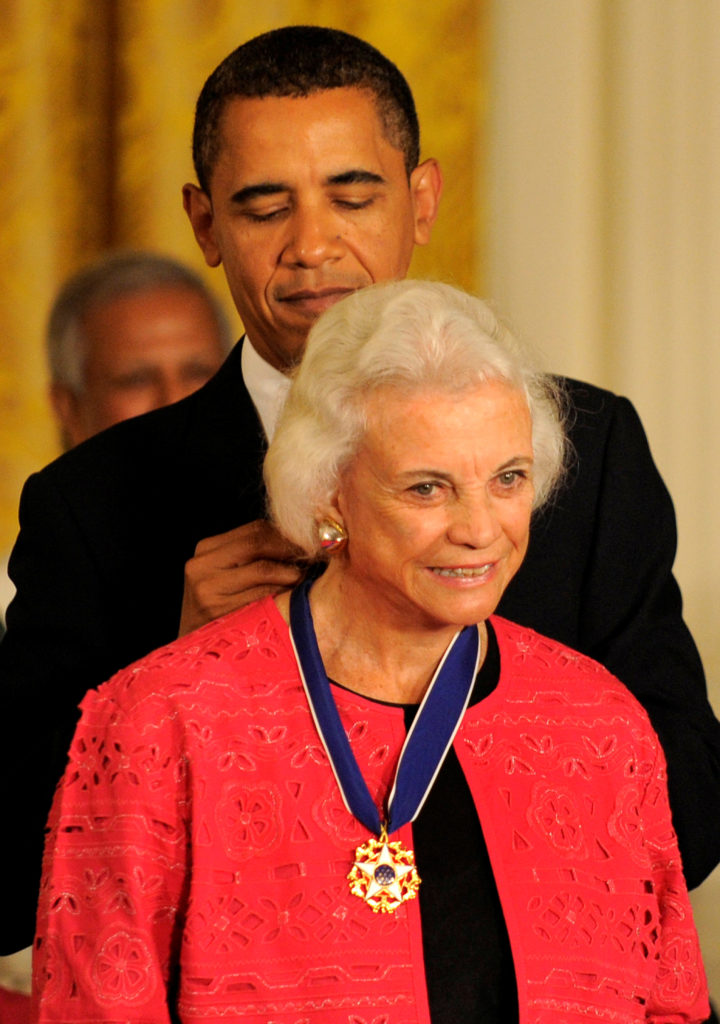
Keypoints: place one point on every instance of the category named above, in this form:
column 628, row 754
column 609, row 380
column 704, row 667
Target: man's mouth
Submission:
column 315, row 301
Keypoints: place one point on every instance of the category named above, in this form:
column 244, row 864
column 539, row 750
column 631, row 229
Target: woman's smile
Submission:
column 437, row 505
column 469, row 572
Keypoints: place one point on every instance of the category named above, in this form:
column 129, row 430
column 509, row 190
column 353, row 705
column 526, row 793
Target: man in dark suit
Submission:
column 309, row 187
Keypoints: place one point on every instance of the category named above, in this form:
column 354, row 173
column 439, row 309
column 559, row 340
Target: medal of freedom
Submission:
column 384, row 874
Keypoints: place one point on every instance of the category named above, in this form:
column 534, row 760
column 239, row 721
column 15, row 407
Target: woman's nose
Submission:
column 474, row 522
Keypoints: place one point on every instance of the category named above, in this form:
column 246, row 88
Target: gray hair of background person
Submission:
column 418, row 337
column 106, row 279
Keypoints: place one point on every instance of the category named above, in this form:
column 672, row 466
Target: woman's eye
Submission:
column 511, row 477
column 425, row 490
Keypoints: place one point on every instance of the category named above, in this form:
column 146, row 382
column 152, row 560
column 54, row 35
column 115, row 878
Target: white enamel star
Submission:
column 384, row 874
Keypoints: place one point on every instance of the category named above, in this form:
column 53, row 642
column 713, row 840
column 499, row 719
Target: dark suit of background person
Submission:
column 117, row 518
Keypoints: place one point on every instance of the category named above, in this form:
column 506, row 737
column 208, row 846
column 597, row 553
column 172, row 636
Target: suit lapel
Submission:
column 225, row 446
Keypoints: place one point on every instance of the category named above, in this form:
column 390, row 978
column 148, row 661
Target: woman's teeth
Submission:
column 480, row 571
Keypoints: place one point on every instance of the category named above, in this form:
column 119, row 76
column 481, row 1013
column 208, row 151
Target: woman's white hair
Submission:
column 416, row 336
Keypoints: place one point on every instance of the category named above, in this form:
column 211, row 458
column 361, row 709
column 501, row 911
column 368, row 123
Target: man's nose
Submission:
column 315, row 238
column 171, row 388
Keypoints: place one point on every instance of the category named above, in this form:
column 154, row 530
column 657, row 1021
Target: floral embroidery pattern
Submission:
column 625, row 824
column 678, row 979
column 554, row 812
column 569, row 919
column 336, row 820
column 124, row 970
column 248, row 819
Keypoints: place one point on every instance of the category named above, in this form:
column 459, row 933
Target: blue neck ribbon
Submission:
column 427, row 742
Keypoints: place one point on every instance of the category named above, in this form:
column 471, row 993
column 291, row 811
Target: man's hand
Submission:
column 234, row 568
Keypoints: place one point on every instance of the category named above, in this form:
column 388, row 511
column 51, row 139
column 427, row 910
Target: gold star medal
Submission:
column 384, row 874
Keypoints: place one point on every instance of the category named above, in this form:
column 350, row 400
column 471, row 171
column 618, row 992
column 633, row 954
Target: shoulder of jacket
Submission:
column 552, row 667
column 134, row 438
column 236, row 648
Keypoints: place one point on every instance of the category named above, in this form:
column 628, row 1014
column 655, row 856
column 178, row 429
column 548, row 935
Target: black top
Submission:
column 468, row 963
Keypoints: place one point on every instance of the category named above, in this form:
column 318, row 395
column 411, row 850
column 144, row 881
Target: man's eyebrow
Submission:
column 356, row 176
column 263, row 188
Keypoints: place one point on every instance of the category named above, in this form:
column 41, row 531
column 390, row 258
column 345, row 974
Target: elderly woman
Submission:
column 370, row 801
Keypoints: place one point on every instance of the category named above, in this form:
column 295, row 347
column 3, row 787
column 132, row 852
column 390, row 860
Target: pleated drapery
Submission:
column 96, row 110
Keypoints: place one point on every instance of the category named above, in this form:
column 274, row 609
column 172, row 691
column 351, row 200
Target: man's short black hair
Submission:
column 299, row 60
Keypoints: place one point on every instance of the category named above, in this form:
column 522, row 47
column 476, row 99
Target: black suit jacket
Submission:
column 106, row 530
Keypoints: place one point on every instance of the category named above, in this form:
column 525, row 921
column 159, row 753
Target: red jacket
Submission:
column 198, row 840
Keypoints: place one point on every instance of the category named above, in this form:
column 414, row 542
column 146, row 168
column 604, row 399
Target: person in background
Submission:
column 129, row 332
column 371, row 798
column 310, row 186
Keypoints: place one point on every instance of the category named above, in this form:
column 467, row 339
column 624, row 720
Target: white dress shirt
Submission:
column 268, row 387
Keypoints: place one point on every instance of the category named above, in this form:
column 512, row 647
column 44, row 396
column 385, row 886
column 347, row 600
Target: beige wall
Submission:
column 603, row 244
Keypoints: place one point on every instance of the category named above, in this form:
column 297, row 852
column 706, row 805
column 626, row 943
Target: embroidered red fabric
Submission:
column 198, row 846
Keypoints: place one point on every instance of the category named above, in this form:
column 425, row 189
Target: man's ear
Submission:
column 198, row 207
column 68, row 415
column 426, row 184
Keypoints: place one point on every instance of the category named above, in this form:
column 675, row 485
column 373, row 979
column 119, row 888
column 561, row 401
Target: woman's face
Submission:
column 437, row 505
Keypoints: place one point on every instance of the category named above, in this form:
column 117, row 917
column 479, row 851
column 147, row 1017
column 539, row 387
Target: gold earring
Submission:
column 333, row 537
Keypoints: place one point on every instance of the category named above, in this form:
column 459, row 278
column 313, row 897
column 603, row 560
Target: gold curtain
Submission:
column 96, row 107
